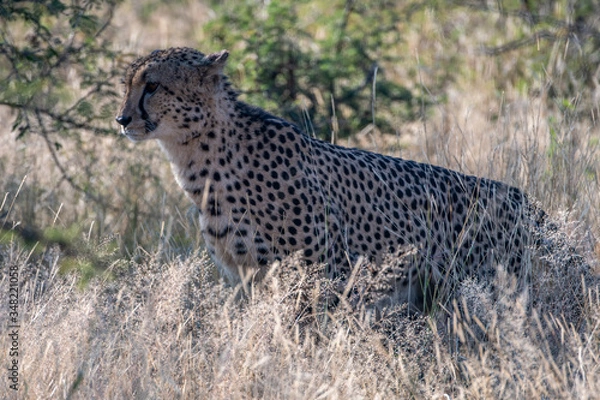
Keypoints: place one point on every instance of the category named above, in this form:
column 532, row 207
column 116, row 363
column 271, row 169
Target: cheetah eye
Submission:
column 150, row 88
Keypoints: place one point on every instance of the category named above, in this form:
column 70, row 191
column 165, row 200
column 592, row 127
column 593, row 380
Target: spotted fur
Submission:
column 266, row 189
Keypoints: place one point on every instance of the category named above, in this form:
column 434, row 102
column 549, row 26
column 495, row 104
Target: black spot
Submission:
column 218, row 234
column 262, row 261
column 413, row 204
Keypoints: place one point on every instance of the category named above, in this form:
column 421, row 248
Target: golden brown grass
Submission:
column 158, row 323
column 168, row 330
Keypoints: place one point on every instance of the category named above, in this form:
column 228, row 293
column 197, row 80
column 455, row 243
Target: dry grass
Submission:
column 168, row 330
column 157, row 323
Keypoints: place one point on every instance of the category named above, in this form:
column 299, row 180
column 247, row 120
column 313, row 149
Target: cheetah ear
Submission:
column 216, row 62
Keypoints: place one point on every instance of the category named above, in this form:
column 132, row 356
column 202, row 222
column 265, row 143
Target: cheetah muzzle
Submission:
column 265, row 189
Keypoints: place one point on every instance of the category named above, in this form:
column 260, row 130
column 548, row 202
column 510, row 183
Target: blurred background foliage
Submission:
column 319, row 64
column 335, row 67
column 48, row 49
column 56, row 77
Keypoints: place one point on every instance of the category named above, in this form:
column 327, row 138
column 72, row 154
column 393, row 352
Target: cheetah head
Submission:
column 167, row 91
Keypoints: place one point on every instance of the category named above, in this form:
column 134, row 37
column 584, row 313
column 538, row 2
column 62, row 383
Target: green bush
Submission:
column 319, row 63
column 48, row 49
column 56, row 73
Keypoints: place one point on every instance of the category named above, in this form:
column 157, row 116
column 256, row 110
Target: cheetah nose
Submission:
column 123, row 120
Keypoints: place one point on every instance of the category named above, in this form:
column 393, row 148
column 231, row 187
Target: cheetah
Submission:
column 265, row 189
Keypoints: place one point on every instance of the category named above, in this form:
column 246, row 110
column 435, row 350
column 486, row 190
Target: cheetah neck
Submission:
column 180, row 157
column 193, row 161
column 210, row 149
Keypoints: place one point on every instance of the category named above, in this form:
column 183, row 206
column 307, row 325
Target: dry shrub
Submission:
column 508, row 349
column 532, row 339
